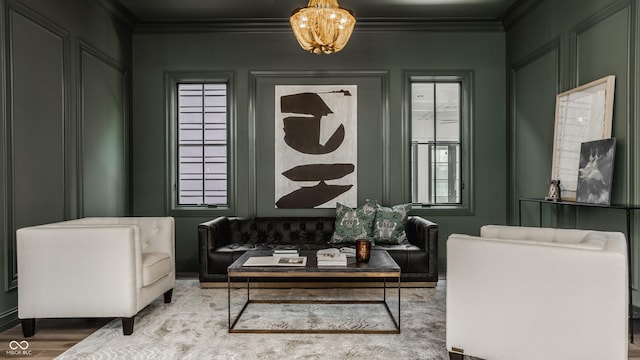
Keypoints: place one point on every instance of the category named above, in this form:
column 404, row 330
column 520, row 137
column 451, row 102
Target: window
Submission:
column 202, row 144
column 439, row 120
column 199, row 122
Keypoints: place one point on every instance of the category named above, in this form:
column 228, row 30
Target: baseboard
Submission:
column 316, row 285
column 186, row 275
column 9, row 319
column 184, row 265
column 635, row 315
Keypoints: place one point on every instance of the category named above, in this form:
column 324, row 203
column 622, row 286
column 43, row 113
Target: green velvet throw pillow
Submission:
column 353, row 224
column 388, row 226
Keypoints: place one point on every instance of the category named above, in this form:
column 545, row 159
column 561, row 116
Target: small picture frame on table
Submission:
column 554, row 191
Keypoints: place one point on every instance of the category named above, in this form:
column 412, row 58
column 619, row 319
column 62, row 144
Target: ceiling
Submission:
column 202, row 10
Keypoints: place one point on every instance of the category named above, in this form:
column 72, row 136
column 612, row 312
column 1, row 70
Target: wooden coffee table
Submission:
column 380, row 266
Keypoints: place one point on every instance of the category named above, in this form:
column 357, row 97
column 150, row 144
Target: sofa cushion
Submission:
column 389, row 223
column 155, row 265
column 353, row 224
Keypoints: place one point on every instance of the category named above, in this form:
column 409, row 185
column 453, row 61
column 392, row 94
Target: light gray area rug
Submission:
column 195, row 326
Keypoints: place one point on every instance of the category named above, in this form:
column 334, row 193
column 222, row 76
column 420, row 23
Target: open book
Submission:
column 275, row 261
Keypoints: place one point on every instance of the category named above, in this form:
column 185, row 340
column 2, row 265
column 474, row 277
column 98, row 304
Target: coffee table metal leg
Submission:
column 396, row 322
column 246, row 303
column 399, row 317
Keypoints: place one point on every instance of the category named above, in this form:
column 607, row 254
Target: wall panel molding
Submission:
column 37, row 150
column 552, row 46
column 85, row 49
column 623, row 80
column 626, row 90
column 5, row 211
column 584, row 26
column 634, row 112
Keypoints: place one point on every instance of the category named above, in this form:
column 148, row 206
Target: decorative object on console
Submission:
column 388, row 226
column 323, row 27
column 363, row 250
column 596, row 171
column 315, row 141
column 353, row 224
column 582, row 114
column 554, row 193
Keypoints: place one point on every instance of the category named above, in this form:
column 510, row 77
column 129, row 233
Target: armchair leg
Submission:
column 455, row 356
column 167, row 296
column 28, row 327
column 127, row 325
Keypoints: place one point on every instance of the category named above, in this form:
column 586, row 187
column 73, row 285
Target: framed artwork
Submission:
column 582, row 114
column 327, row 145
column 315, row 146
column 596, row 171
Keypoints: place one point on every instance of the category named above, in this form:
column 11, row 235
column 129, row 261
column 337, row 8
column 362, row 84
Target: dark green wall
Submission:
column 65, row 104
column 70, row 148
column 375, row 60
column 557, row 46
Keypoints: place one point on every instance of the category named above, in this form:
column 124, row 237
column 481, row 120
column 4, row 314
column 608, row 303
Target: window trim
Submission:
column 466, row 79
column 172, row 79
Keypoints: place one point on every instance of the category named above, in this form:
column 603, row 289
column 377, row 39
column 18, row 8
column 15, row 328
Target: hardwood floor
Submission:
column 53, row 337
column 634, row 349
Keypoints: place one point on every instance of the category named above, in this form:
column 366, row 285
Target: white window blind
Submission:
column 202, row 144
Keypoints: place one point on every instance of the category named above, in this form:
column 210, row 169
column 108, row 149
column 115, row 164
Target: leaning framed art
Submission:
column 582, row 114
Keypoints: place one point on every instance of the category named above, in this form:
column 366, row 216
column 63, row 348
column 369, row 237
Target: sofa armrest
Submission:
column 547, row 288
column 214, row 233
column 422, row 233
column 103, row 261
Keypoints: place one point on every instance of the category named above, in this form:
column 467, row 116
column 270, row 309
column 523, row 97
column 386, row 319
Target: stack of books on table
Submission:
column 331, row 257
column 286, row 251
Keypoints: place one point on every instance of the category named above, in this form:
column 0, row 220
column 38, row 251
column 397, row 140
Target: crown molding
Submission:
column 282, row 25
column 517, row 11
column 118, row 10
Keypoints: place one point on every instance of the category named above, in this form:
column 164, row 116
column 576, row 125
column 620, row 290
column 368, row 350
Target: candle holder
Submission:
column 363, row 250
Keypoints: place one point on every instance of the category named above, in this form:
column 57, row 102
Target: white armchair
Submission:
column 537, row 293
column 94, row 267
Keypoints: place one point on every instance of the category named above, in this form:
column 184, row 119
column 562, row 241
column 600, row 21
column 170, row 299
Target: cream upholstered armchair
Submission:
column 537, row 293
column 94, row 267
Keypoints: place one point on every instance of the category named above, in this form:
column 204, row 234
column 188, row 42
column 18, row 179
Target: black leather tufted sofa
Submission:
column 223, row 239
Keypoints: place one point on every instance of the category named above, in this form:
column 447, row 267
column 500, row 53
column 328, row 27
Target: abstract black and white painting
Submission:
column 595, row 171
column 315, row 146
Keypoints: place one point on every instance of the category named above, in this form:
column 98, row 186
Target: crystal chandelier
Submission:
column 323, row 26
